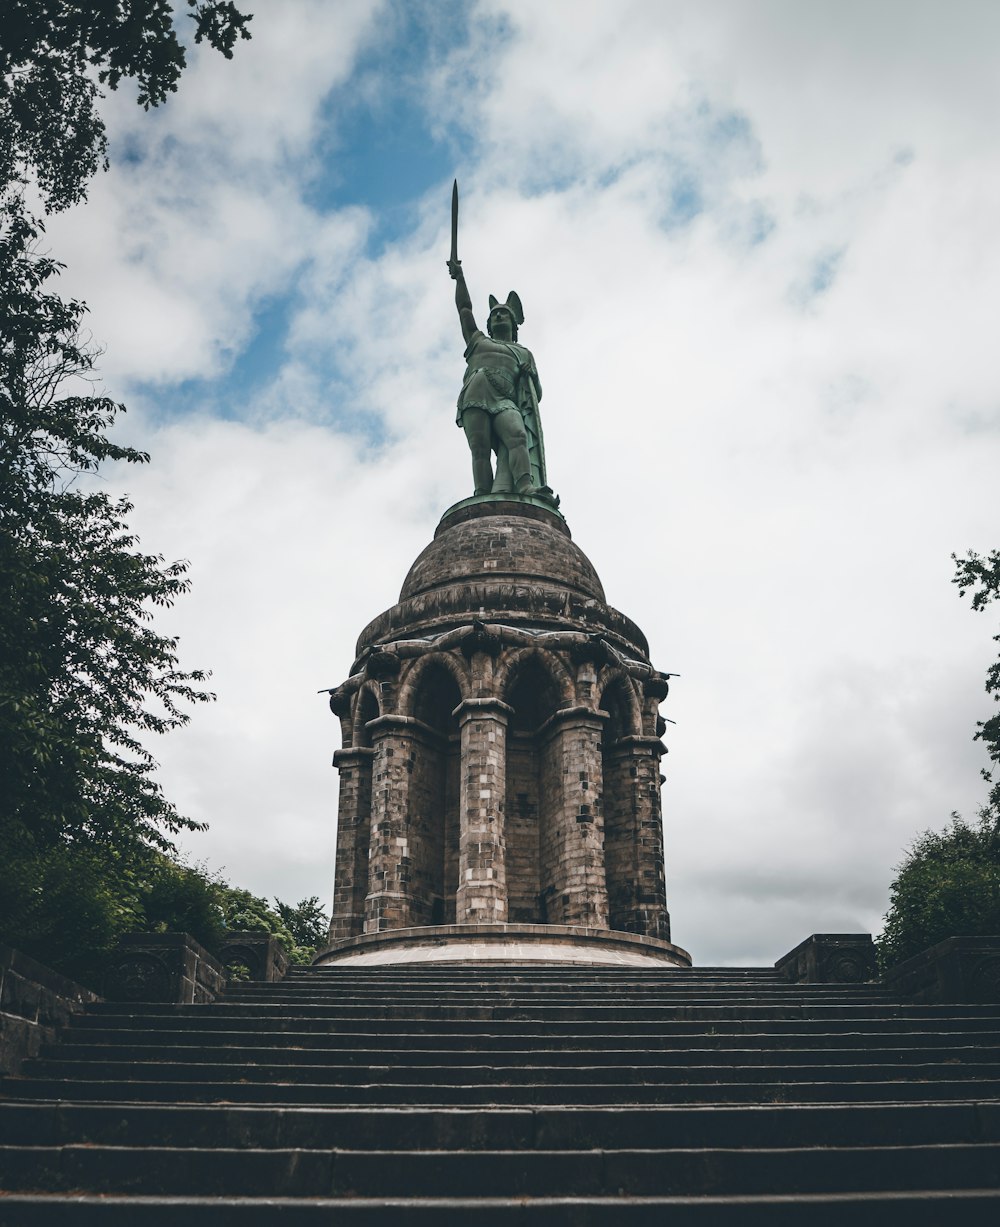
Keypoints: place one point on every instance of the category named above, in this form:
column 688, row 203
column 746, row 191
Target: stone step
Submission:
column 766, row 1053
column 183, row 1020
column 549, row 1128
column 610, row 1014
column 479, row 972
column 140, row 1041
column 546, row 999
column 307, row 1173
column 903, row 1086
column 921, row 1208
column 761, row 1068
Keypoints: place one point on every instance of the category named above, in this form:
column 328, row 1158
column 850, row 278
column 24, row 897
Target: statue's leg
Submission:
column 476, row 424
column 503, row 483
column 509, row 426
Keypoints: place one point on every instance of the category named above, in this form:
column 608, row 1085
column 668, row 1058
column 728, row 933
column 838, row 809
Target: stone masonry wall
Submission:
column 478, row 784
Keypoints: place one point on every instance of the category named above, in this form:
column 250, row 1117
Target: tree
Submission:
column 306, row 921
column 949, row 883
column 54, row 57
column 948, row 886
column 981, row 576
column 84, row 678
column 245, row 912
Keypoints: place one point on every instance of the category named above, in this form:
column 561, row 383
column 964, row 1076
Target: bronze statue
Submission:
column 498, row 403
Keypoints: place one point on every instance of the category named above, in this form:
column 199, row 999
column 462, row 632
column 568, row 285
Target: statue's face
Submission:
column 501, row 324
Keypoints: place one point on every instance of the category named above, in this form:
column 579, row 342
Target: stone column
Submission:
column 636, row 885
column 354, row 811
column 575, row 817
column 389, row 903
column 482, row 878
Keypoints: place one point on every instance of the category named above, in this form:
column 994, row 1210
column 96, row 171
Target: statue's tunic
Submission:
column 492, row 377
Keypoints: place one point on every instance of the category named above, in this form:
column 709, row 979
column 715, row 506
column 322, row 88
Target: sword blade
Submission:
column 454, row 220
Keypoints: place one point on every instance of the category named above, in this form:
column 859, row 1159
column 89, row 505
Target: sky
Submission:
column 756, row 245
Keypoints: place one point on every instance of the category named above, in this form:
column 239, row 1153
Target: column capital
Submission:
column 406, row 726
column 632, row 745
column 482, row 709
column 351, row 756
column 579, row 715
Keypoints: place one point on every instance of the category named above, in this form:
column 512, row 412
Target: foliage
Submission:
column 84, row 679
column 83, row 676
column 300, row 934
column 948, row 886
column 306, row 921
column 180, row 898
column 54, row 57
column 981, row 576
column 62, row 904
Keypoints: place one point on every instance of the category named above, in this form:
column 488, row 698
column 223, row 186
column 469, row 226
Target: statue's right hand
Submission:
column 455, row 269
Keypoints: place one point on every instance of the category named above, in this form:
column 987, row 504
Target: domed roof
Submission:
column 502, row 540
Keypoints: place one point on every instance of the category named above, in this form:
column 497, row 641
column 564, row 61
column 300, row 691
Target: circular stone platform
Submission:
column 554, row 944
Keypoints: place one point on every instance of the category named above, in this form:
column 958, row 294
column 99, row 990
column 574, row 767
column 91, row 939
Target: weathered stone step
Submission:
column 473, row 979
column 546, row 998
column 551, row 1128
column 181, row 1020
column 140, row 1042
column 533, row 973
column 611, row 1014
column 838, row 1089
column 647, row 1172
column 921, row 1208
column 762, row 1068
column 765, row 1053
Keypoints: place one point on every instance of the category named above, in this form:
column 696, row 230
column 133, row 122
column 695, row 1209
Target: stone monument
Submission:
column 500, row 770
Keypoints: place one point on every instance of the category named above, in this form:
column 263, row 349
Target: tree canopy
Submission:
column 949, row 882
column 85, row 679
column 947, row 886
column 84, row 676
column 54, row 57
column 981, row 577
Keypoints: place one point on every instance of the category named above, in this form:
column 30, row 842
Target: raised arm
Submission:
column 462, row 300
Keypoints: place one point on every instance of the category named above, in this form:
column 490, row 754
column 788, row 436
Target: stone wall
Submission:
column 34, row 1002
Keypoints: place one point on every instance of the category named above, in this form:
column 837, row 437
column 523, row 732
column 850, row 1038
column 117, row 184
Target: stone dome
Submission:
column 507, row 560
column 502, row 541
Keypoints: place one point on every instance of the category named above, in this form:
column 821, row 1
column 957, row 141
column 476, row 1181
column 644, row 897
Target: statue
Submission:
column 498, row 403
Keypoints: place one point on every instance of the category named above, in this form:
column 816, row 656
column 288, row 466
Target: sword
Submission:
column 454, row 222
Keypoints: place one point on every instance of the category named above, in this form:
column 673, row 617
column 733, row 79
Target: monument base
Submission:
column 504, row 943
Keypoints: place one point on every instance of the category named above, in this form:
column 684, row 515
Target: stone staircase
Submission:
column 514, row 1094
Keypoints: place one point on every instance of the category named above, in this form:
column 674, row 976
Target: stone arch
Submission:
column 429, row 661
column 623, row 806
column 535, row 685
column 367, row 707
column 618, row 698
column 433, row 829
column 512, row 664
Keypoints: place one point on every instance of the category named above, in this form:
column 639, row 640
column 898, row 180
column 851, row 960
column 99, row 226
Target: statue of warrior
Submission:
column 498, row 404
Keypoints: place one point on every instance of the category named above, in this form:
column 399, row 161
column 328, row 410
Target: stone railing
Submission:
column 831, row 958
column 957, row 969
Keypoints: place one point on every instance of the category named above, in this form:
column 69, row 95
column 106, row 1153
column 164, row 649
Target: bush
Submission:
column 948, row 886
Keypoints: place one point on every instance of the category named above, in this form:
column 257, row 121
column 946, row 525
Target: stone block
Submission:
column 262, row 953
column 957, row 969
column 165, row 967
column 831, row 958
